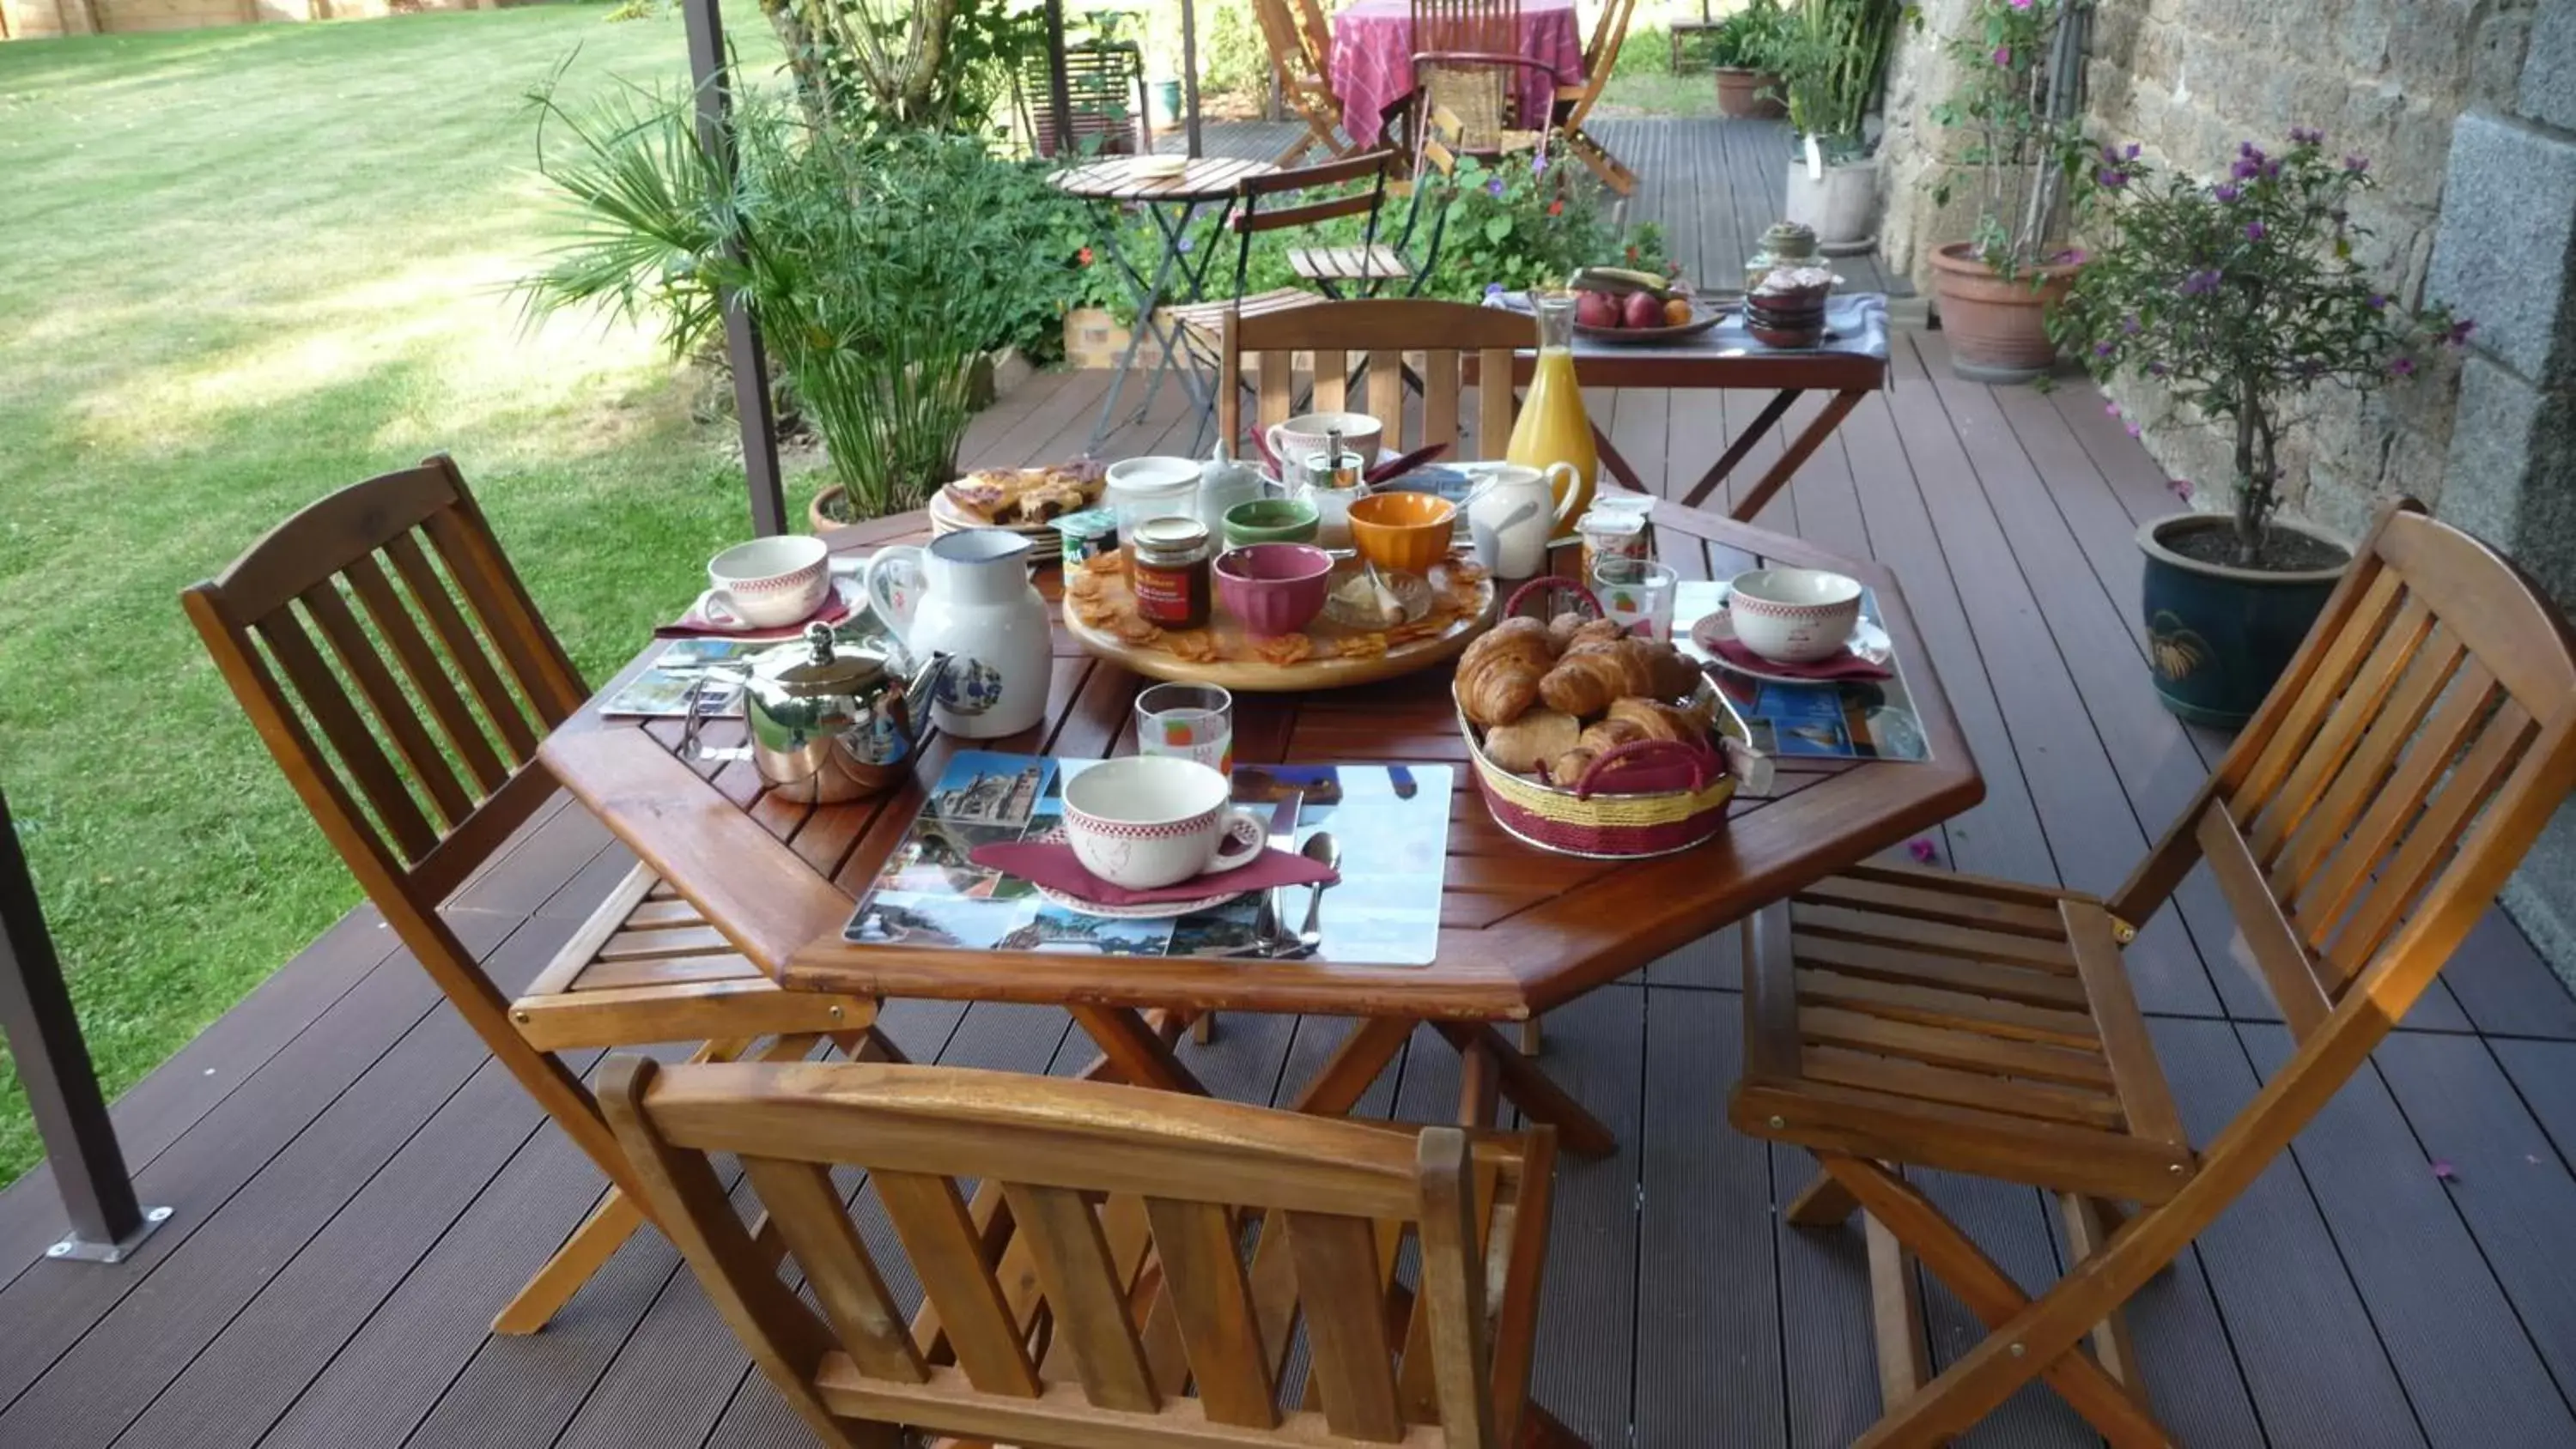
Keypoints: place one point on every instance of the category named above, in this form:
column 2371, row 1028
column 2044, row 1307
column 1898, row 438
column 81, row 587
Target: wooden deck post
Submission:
column 743, row 354
column 45, row 1039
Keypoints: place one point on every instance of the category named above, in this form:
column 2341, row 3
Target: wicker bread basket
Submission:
column 1645, row 798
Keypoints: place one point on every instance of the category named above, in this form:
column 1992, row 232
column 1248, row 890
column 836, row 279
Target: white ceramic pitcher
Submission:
column 1512, row 514
column 968, row 595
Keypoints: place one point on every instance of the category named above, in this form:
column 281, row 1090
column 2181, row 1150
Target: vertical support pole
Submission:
column 742, row 335
column 44, row 1038
column 1190, row 74
column 1059, row 92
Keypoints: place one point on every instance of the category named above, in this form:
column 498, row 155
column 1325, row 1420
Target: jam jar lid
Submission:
column 1171, row 535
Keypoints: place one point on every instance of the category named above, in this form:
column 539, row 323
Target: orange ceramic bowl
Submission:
column 1406, row 531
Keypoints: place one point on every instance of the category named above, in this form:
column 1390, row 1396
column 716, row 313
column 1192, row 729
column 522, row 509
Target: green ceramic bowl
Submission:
column 1270, row 520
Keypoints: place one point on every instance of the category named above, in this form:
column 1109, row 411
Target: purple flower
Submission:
column 2111, row 180
column 2021, row 4
column 1493, row 289
column 2200, row 283
column 2246, row 168
column 2458, row 336
column 2102, row 349
column 2155, row 369
column 2111, row 409
column 2401, row 367
column 2180, row 488
column 2271, row 170
column 2255, row 231
column 1494, row 187
column 2003, row 55
column 2129, row 152
column 2356, row 164
column 2378, row 302
column 1921, row 846
column 2247, row 148
column 2134, row 430
column 2226, row 191
column 2071, row 257
column 2307, row 136
column 2129, row 324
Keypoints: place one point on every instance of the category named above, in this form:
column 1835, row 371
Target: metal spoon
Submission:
column 1319, row 847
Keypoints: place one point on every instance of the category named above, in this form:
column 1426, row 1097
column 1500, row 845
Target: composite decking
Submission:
column 357, row 1189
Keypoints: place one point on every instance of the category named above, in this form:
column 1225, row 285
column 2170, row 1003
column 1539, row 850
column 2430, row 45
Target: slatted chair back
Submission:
column 1600, row 57
column 1466, row 53
column 394, row 665
column 1435, row 339
column 1095, row 1288
column 1310, row 196
column 1105, row 106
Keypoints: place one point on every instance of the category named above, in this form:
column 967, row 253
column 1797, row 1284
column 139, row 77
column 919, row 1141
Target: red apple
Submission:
column 1596, row 309
column 1643, row 309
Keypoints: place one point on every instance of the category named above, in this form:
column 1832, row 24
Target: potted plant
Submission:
column 1832, row 56
column 2232, row 300
column 2016, row 102
column 1742, row 48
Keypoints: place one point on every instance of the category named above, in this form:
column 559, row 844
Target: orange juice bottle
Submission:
column 1553, row 427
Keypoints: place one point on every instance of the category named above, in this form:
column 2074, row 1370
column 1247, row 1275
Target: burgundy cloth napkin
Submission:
column 1051, row 863
column 695, row 624
column 1845, row 665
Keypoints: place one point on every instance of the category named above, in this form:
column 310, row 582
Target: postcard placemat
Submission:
column 1852, row 719
column 1391, row 822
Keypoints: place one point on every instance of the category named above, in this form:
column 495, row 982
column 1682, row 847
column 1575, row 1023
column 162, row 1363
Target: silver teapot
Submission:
column 827, row 725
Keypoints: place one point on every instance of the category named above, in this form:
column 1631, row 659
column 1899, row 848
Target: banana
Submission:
column 1619, row 282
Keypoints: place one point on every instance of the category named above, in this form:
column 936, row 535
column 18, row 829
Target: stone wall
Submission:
column 2188, row 80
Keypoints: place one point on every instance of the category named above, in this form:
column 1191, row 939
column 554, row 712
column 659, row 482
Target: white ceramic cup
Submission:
column 768, row 582
column 1303, row 436
column 1148, row 821
column 1796, row 616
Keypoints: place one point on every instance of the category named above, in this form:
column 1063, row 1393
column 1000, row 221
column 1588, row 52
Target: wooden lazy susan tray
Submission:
column 1450, row 606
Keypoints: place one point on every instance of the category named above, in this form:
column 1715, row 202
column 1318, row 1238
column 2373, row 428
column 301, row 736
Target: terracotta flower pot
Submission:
column 1998, row 329
column 1749, row 93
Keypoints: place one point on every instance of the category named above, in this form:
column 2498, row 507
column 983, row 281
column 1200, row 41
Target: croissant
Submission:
column 1539, row 735
column 1584, row 684
column 1566, row 769
column 1605, row 735
column 1659, row 721
column 1561, row 628
column 1676, row 675
column 1521, row 638
column 1498, row 690
column 1591, row 631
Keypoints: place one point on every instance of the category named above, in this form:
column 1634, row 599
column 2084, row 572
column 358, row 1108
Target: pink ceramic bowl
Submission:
column 1274, row 588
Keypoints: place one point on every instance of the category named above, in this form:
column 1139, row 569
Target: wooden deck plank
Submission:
column 2469, row 1368
column 2311, row 1358
column 1709, row 1368
column 134, row 1348
column 1588, row 1327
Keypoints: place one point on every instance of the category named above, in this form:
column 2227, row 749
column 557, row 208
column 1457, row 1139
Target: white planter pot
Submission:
column 1841, row 205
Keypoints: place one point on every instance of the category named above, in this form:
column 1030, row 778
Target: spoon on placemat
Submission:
column 1322, row 848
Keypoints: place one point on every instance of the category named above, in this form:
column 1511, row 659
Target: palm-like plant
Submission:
column 1832, row 58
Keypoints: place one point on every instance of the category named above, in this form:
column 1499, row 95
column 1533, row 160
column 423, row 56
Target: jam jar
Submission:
column 1173, row 576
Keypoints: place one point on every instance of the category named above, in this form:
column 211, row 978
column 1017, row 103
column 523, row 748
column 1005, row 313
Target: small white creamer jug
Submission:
column 968, row 595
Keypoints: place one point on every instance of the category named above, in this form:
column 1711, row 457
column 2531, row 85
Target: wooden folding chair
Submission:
column 1096, row 1291
column 2366, row 816
column 1300, row 48
column 1381, row 339
column 437, row 658
column 1574, row 102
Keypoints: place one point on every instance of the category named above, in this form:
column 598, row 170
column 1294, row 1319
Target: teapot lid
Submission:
column 812, row 667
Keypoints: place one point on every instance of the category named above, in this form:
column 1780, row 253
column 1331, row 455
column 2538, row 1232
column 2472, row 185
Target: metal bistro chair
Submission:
column 1374, row 268
column 2357, row 828
column 438, row 659
column 1095, row 1290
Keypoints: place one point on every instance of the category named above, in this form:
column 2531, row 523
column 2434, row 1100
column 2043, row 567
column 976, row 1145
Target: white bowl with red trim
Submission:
column 1796, row 616
column 1148, row 821
column 768, row 582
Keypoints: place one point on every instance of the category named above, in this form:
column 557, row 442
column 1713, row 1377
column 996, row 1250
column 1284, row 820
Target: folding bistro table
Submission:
column 1173, row 202
column 1851, row 364
column 1521, row 930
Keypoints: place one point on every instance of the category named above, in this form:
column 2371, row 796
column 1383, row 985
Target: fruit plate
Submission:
column 1331, row 656
column 1705, row 314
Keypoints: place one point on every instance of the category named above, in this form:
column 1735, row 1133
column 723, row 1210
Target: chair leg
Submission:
column 2090, row 1222
column 1824, row 1203
column 2115, row 1409
column 601, row 1234
column 1543, row 1430
column 1533, row 1038
column 1896, row 1313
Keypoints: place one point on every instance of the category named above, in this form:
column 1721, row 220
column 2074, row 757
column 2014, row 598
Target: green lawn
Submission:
column 244, row 267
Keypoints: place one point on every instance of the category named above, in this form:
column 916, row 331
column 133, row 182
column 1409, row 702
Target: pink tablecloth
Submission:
column 1373, row 58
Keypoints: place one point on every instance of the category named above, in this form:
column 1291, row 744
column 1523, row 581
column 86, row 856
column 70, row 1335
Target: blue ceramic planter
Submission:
column 2217, row 635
